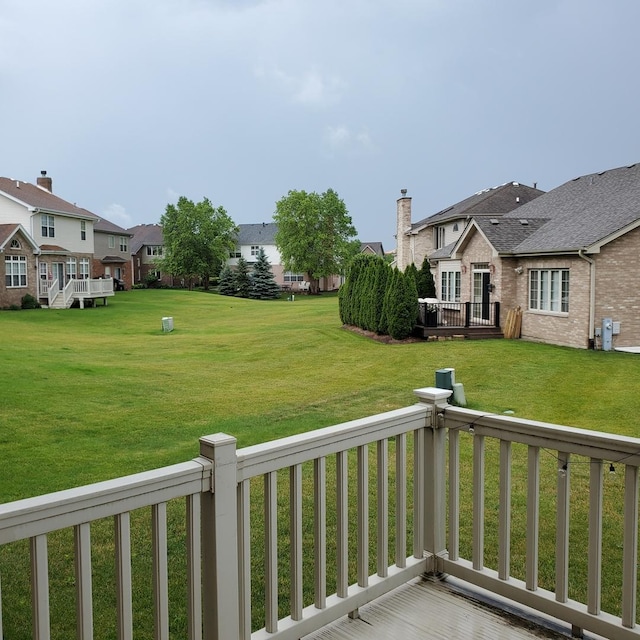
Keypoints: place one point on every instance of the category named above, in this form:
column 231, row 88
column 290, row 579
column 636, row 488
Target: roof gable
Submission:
column 9, row 231
column 144, row 235
column 37, row 197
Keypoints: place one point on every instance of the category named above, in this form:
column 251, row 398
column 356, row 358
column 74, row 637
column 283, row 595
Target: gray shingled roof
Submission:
column 145, row 234
column 257, row 234
column 376, row 247
column 489, row 202
column 105, row 226
column 583, row 211
column 40, row 198
column 505, row 234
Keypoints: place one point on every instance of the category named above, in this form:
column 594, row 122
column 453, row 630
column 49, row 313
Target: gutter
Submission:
column 592, row 292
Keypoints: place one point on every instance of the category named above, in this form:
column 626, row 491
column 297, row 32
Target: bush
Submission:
column 29, row 302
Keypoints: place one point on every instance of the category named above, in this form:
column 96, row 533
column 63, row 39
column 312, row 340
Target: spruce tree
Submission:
column 403, row 308
column 263, row 284
column 227, row 282
column 383, row 273
column 243, row 279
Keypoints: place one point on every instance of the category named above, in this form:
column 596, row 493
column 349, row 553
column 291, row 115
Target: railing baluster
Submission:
column 342, row 524
column 401, row 500
column 244, row 557
column 160, row 570
column 271, row 550
column 418, row 493
column 40, row 588
column 295, row 536
column 123, row 576
column 478, row 502
column 562, row 527
column 84, row 597
column 194, row 581
column 383, row 507
column 630, row 547
column 533, row 509
column 363, row 516
column 504, row 512
column 595, row 537
column 454, row 494
column 320, row 531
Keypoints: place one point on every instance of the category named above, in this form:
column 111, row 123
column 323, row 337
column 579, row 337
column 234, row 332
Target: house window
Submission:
column 112, row 242
column 48, row 228
column 83, row 229
column 154, row 250
column 235, row 254
column 15, row 271
column 72, row 272
column 15, row 244
column 84, row 268
column 549, row 290
column 43, row 271
column 123, row 243
column 255, row 250
column 439, row 237
column 450, row 286
column 293, row 277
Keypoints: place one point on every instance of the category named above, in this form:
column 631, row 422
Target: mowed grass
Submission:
column 98, row 393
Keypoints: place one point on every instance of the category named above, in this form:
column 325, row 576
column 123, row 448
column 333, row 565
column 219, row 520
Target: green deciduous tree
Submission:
column 197, row 239
column 315, row 234
column 263, row 284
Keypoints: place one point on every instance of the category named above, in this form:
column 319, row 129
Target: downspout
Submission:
column 592, row 292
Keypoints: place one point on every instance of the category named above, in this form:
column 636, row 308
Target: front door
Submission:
column 58, row 272
column 481, row 294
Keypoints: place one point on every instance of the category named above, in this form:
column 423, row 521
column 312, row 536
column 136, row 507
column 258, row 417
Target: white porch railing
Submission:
column 75, row 288
column 393, row 472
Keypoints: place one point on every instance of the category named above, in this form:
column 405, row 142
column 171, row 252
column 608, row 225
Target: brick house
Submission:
column 147, row 247
column 440, row 231
column 59, row 271
column 112, row 251
column 569, row 259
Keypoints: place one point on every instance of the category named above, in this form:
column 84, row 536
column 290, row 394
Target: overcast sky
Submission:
column 129, row 104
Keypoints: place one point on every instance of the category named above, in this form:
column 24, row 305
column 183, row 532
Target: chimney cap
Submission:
column 403, row 192
column 43, row 173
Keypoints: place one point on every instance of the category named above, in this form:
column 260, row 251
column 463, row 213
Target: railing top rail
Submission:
column 285, row 452
column 34, row 516
column 594, row 444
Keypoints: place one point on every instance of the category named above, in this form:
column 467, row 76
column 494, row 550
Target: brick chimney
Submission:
column 44, row 182
column 403, row 224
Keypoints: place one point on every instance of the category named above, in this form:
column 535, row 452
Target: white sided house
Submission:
column 48, row 247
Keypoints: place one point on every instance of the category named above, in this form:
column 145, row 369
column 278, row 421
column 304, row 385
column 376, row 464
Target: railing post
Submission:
column 435, row 529
column 467, row 314
column 496, row 310
column 221, row 611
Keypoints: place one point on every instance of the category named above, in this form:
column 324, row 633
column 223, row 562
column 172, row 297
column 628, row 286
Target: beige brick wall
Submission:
column 618, row 287
column 10, row 296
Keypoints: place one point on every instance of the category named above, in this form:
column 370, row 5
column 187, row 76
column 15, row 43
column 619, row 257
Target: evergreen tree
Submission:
column 402, row 307
column 383, row 273
column 424, row 281
column 243, row 279
column 227, row 282
column 263, row 284
column 388, row 302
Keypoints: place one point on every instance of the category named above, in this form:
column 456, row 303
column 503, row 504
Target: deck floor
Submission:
column 426, row 610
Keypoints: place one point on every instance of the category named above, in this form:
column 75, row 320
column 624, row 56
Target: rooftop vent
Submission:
column 403, row 192
column 494, row 221
column 524, row 222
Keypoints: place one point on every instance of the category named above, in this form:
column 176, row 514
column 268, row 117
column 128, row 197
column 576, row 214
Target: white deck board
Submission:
column 427, row 610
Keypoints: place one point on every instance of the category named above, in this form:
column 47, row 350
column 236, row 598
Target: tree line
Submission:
column 379, row 298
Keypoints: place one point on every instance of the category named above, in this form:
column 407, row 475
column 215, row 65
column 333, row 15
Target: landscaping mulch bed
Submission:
column 378, row 338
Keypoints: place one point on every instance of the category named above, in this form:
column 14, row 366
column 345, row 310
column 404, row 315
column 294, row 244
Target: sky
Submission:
column 129, row 104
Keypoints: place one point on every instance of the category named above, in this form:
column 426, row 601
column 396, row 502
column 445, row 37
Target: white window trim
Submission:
column 16, row 267
column 543, row 279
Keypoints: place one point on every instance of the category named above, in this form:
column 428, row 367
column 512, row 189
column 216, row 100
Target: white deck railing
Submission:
column 75, row 288
column 251, row 513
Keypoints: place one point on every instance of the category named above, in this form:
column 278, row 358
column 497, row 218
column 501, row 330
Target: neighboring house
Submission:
column 569, row 259
column 112, row 252
column 147, row 247
column 372, row 248
column 441, row 230
column 63, row 235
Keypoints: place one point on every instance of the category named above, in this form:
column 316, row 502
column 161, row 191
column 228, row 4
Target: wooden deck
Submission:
column 424, row 610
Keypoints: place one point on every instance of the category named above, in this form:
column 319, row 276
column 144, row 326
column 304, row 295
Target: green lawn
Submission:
column 96, row 393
